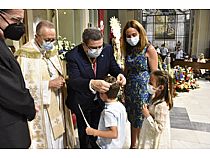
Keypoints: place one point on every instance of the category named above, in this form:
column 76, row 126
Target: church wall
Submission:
column 66, row 24
column 201, row 32
column 72, row 22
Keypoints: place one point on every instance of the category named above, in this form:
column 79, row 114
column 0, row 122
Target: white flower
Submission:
column 115, row 27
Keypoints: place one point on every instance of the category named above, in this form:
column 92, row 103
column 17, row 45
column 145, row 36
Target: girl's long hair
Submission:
column 163, row 78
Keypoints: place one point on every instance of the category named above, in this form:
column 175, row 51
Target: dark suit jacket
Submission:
column 16, row 103
column 80, row 73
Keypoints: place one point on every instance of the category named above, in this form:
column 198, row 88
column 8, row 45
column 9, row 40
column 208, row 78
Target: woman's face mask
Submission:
column 133, row 41
column 94, row 53
column 47, row 46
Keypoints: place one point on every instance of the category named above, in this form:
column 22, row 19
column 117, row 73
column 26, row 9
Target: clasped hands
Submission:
column 102, row 86
column 57, row 83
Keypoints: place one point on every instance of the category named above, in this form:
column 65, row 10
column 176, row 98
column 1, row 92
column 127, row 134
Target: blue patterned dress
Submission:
column 136, row 93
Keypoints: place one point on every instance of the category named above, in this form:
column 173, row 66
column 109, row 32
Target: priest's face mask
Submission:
column 46, row 38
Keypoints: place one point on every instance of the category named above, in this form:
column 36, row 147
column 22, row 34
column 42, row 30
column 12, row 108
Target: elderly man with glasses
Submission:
column 88, row 64
column 16, row 103
column 43, row 74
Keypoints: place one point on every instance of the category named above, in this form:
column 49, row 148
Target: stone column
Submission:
column 65, row 26
column 81, row 20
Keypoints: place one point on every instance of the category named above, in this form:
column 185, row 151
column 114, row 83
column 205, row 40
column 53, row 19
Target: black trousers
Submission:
column 163, row 57
column 92, row 115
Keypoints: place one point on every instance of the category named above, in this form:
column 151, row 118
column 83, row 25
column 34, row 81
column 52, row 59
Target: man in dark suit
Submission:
column 16, row 103
column 88, row 64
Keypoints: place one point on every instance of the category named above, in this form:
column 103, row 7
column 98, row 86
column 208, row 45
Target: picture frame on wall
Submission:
column 165, row 27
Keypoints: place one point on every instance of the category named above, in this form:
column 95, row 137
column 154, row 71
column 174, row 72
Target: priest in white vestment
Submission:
column 43, row 73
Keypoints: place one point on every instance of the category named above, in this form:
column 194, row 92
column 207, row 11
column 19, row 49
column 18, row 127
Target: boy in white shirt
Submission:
column 112, row 125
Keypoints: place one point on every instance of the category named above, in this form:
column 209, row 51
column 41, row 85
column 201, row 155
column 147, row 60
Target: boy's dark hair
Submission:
column 114, row 88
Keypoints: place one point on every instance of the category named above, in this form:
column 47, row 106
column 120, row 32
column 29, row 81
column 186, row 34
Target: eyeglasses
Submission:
column 49, row 40
column 92, row 47
column 13, row 18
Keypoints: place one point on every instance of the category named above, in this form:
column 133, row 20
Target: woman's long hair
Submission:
column 143, row 41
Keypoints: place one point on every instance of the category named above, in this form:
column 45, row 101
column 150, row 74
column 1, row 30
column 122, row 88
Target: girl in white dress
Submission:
column 155, row 131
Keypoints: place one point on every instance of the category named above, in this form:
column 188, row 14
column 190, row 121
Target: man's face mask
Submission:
column 133, row 41
column 94, row 53
column 14, row 31
column 47, row 46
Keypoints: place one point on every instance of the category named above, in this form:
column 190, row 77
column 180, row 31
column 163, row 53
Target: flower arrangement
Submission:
column 63, row 45
column 184, row 80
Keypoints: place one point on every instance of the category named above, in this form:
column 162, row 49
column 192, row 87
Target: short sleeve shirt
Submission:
column 114, row 114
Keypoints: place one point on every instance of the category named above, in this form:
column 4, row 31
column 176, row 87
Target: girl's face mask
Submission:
column 151, row 89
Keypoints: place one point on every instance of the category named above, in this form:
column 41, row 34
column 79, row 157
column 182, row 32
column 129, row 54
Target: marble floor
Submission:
column 190, row 118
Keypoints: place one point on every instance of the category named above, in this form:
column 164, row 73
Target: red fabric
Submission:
column 94, row 68
column 74, row 120
column 100, row 16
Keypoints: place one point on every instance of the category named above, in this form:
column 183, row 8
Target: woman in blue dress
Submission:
column 140, row 59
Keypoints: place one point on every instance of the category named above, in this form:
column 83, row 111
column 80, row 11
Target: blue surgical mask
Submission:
column 94, row 53
column 47, row 46
column 133, row 41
